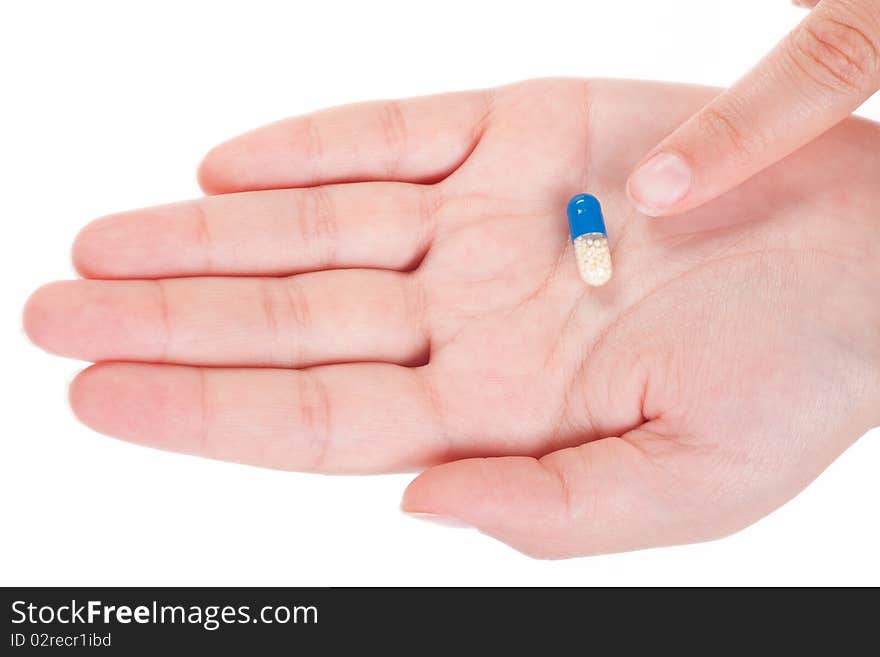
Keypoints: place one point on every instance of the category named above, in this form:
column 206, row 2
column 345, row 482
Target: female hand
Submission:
column 820, row 73
column 402, row 295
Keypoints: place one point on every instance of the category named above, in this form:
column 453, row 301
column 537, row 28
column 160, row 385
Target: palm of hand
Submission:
column 720, row 370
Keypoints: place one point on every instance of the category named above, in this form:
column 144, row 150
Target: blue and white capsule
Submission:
column 590, row 239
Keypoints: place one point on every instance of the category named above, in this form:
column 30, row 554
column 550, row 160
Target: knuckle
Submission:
column 318, row 223
column 287, row 316
column 313, row 404
column 269, row 303
column 395, row 131
column 286, row 311
column 206, row 413
column 200, row 211
column 314, row 144
column 297, row 304
column 724, row 125
column 837, row 54
column 431, row 201
column 164, row 307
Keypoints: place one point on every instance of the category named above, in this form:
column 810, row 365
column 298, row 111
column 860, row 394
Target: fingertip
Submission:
column 418, row 498
column 144, row 243
column 140, row 403
column 247, row 162
column 100, row 398
column 449, row 490
column 81, row 394
column 92, row 246
column 473, row 489
column 658, row 185
column 210, row 173
column 507, row 498
column 32, row 316
column 427, row 497
column 640, row 207
column 42, row 324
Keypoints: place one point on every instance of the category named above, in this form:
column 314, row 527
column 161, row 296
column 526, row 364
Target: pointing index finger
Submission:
column 812, row 80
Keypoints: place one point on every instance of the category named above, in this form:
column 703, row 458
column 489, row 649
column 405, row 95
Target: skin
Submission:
column 817, row 75
column 403, row 296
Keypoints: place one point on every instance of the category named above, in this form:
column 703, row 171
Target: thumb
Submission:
column 813, row 79
column 604, row 496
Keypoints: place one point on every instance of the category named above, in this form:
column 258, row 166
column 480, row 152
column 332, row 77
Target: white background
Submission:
column 110, row 105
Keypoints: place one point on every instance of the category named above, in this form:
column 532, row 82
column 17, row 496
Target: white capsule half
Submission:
column 593, row 258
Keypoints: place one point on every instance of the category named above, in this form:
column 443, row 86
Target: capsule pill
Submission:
column 590, row 239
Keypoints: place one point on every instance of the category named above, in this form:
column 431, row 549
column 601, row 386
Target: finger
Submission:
column 603, row 496
column 806, row 4
column 354, row 418
column 817, row 76
column 383, row 225
column 323, row 317
column 414, row 140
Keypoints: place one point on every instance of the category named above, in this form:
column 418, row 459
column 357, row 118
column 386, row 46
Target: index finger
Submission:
column 812, row 80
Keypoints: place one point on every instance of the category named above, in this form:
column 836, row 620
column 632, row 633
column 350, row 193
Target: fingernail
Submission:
column 446, row 521
column 659, row 183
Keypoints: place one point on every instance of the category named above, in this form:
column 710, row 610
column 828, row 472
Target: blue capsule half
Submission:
column 585, row 216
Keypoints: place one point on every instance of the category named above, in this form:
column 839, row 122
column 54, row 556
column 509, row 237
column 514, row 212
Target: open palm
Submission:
column 390, row 286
